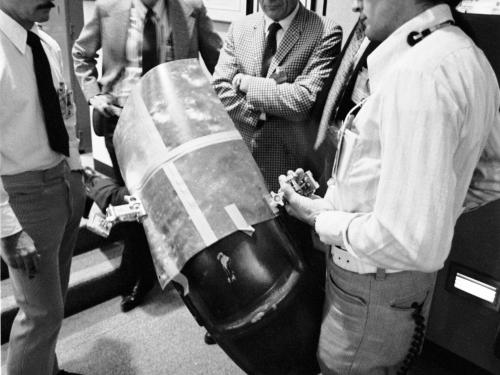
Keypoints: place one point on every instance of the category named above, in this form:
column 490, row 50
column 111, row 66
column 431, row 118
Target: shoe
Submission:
column 62, row 372
column 136, row 296
column 209, row 340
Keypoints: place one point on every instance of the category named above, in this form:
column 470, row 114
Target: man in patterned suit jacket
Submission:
column 272, row 111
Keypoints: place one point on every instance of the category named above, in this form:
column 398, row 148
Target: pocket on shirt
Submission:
column 349, row 153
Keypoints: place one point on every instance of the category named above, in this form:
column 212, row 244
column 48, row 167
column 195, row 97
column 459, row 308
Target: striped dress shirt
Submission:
column 133, row 48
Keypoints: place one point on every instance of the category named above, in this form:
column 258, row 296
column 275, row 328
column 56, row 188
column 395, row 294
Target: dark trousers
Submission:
column 49, row 206
column 108, row 141
column 137, row 263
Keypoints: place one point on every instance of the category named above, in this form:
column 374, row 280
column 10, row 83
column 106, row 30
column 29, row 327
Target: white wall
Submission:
column 341, row 12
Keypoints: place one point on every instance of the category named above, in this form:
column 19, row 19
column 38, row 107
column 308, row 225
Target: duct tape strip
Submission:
column 202, row 142
column 188, row 147
column 194, row 211
column 238, row 219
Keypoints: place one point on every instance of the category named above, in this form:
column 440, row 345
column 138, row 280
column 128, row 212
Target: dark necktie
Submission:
column 345, row 101
column 342, row 75
column 149, row 43
column 270, row 48
column 54, row 124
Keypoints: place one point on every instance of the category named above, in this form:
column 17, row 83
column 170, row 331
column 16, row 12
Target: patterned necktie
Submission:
column 270, row 48
column 54, row 123
column 149, row 43
column 342, row 77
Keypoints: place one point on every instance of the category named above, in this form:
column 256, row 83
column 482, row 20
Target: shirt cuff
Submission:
column 91, row 89
column 345, row 237
column 73, row 160
column 331, row 227
column 10, row 224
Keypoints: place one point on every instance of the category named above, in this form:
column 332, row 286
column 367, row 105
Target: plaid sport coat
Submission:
column 302, row 62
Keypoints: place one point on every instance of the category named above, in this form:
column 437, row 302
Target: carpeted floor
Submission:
column 162, row 338
column 159, row 338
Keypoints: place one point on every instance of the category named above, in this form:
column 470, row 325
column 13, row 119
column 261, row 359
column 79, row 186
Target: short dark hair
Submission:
column 451, row 3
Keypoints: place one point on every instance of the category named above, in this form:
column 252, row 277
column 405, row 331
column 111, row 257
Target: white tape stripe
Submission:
column 202, row 142
column 190, row 146
column 238, row 219
column 192, row 208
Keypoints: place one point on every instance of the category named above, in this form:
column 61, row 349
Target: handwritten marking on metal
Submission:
column 225, row 262
column 194, row 211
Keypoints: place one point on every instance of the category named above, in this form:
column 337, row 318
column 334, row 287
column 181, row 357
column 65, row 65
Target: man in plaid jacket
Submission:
column 271, row 108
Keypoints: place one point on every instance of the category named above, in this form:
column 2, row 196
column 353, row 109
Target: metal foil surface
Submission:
column 180, row 153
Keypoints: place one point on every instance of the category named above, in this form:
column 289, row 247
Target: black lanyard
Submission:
column 414, row 37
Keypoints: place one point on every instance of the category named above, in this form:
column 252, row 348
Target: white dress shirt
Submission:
column 485, row 184
column 24, row 145
column 284, row 23
column 406, row 164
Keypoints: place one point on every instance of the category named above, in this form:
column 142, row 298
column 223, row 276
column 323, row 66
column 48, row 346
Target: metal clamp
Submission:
column 302, row 182
column 102, row 224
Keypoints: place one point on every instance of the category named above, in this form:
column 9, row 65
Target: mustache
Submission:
column 48, row 5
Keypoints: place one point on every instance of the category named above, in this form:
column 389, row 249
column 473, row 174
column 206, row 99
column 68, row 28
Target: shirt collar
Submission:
column 382, row 59
column 285, row 22
column 142, row 9
column 15, row 32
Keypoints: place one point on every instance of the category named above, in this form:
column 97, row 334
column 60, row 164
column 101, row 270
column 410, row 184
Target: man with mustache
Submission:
column 406, row 155
column 41, row 190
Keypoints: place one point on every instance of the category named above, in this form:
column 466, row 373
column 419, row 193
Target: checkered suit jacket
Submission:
column 304, row 56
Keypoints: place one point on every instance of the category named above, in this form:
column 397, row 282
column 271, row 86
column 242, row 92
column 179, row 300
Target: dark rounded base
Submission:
column 259, row 301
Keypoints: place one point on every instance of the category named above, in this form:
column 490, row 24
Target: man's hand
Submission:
column 300, row 207
column 241, row 82
column 102, row 103
column 18, row 251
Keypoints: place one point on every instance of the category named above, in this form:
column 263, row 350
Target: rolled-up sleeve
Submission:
column 411, row 226
column 9, row 224
column 411, row 223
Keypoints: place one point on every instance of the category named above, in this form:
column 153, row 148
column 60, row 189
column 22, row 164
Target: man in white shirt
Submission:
column 41, row 190
column 404, row 165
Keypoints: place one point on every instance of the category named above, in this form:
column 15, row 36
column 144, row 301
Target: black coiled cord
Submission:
column 417, row 339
